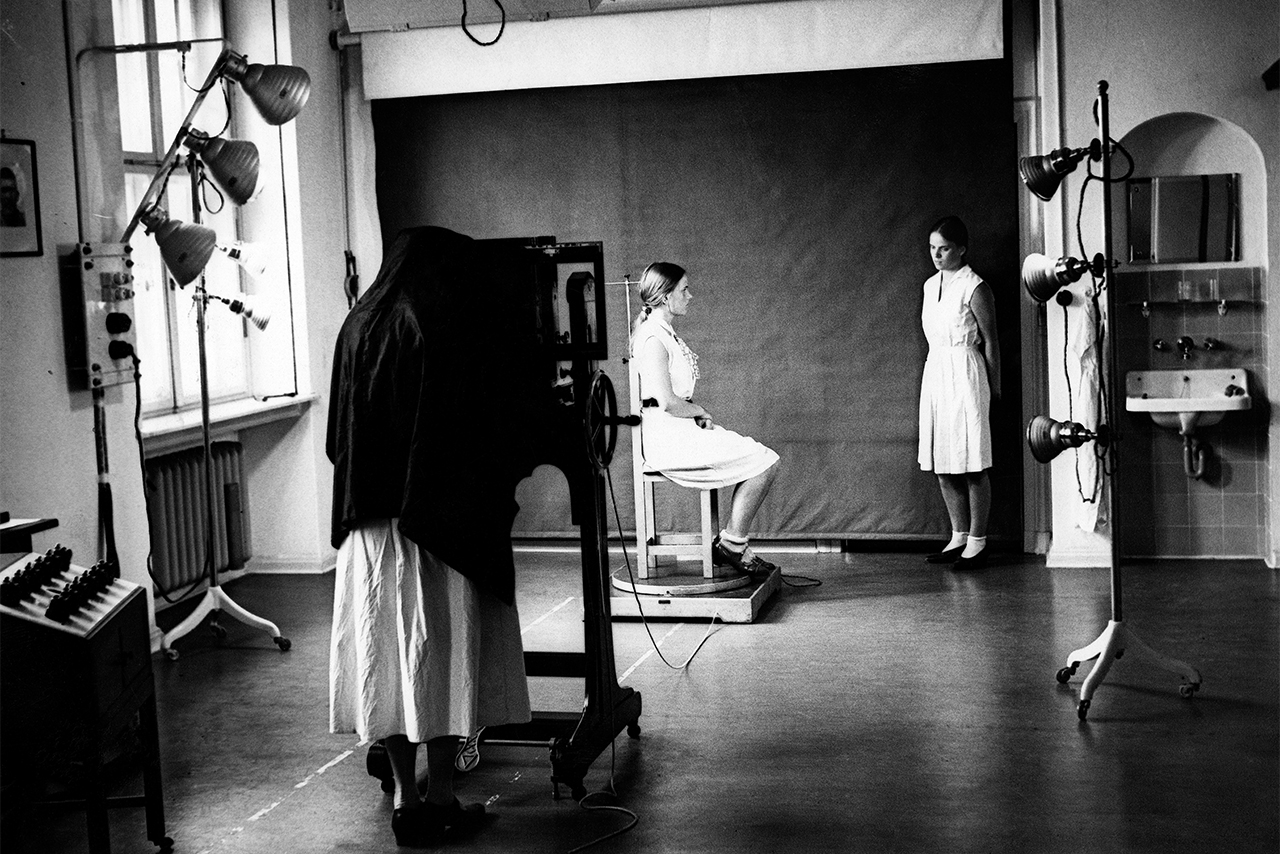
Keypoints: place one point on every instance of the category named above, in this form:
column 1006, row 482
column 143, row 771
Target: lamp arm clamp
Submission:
column 228, row 60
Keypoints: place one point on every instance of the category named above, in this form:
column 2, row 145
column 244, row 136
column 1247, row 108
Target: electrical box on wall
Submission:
column 98, row 314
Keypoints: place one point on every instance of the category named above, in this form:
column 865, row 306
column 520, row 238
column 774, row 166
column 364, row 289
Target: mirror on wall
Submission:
column 1184, row 218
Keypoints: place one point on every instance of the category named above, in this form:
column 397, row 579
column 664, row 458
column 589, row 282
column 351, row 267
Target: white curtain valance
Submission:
column 673, row 44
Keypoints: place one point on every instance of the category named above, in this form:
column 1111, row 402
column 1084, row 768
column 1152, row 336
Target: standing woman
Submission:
column 680, row 439
column 961, row 378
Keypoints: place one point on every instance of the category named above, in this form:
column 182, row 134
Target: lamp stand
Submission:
column 215, row 600
column 1116, row 638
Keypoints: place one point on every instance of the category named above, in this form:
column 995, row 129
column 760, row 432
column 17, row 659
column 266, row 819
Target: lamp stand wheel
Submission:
column 283, row 643
column 1110, row 646
column 633, row 730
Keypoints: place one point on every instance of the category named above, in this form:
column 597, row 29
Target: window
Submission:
column 156, row 89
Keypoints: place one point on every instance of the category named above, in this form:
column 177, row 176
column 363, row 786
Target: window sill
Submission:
column 162, row 434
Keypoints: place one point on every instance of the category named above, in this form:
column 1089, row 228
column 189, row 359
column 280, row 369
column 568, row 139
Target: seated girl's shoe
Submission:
column 744, row 561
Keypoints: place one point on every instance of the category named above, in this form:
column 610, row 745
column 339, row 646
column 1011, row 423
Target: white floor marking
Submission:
column 548, row 614
column 649, row 652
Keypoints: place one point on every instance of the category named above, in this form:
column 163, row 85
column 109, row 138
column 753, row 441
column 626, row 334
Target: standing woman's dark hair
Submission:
column 953, row 229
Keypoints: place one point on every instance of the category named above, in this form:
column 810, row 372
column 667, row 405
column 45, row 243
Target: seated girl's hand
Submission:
column 704, row 421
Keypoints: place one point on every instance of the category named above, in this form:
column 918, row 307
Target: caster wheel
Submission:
column 165, row 845
column 1188, row 689
column 1082, row 709
column 171, row 654
column 633, row 730
column 218, row 632
column 1065, row 674
column 283, row 643
column 578, row 791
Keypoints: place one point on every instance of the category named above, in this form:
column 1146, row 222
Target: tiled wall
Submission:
column 1164, row 512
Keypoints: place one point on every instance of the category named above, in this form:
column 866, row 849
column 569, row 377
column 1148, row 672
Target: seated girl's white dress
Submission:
column 678, row 448
column 417, row 648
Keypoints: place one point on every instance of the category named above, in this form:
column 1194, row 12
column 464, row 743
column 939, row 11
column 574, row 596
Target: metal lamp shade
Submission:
column 1048, row 438
column 1039, row 175
column 233, row 163
column 278, row 91
column 1043, row 174
column 185, row 247
column 1043, row 277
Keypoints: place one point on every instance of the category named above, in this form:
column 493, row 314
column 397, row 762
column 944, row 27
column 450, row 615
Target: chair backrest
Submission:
column 637, row 449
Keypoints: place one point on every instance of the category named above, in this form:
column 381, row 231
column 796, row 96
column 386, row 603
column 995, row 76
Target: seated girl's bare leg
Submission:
column 747, row 498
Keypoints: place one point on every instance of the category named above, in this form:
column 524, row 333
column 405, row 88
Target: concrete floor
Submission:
column 898, row 707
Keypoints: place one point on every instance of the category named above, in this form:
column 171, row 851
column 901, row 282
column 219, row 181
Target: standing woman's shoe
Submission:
column 978, row 561
column 945, row 556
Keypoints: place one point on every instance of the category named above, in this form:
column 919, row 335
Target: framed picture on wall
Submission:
column 19, row 199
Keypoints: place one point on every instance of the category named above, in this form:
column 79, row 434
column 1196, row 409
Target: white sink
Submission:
column 1187, row 399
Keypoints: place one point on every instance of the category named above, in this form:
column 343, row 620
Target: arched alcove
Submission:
column 1178, row 144
column 1171, row 514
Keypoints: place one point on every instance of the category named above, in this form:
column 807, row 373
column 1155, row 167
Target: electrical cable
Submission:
column 502, row 26
column 1102, row 452
column 205, row 186
column 146, row 494
column 611, row 790
column 716, row 616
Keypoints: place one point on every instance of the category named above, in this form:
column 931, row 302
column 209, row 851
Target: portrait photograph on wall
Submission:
column 19, row 199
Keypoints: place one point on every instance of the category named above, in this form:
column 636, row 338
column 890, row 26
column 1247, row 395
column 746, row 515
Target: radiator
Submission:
column 177, row 513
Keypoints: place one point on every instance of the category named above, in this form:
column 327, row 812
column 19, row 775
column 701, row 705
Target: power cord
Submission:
column 618, row 520
column 611, row 790
column 501, row 26
column 146, row 493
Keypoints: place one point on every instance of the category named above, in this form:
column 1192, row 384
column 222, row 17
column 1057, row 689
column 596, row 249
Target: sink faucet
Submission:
column 1185, row 346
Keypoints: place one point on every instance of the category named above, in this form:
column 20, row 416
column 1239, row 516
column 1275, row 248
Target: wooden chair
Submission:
column 650, row 545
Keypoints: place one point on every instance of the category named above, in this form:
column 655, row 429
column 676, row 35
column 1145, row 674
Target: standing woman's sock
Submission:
column 958, row 539
column 973, row 547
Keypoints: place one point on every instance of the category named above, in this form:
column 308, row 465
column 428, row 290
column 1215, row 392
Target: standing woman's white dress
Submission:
column 955, row 392
column 677, row 447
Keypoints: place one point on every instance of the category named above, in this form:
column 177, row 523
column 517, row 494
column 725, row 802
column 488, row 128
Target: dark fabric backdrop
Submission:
column 800, row 204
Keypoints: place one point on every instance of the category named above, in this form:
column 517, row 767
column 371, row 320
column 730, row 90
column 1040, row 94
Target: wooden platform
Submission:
column 679, row 591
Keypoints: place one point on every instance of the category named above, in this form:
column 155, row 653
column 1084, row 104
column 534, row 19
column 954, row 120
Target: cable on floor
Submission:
column 645, row 620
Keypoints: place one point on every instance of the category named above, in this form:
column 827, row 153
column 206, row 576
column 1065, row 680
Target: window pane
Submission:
column 131, row 73
column 151, row 322
column 182, row 75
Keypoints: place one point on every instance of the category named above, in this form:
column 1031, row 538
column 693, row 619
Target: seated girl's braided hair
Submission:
column 658, row 280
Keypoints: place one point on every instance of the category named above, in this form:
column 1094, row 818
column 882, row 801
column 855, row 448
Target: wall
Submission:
column 1206, row 59
column 47, row 457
